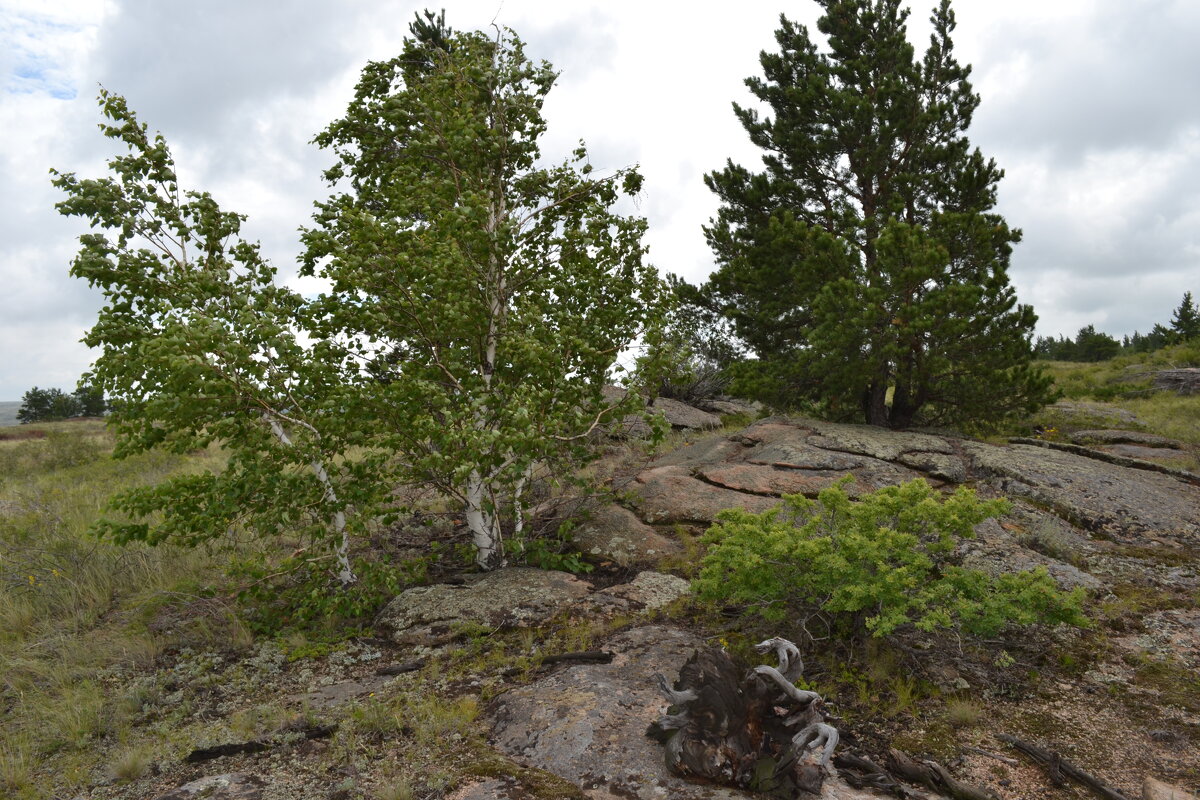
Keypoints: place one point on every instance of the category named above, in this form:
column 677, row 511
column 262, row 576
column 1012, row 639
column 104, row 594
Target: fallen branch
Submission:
column 209, row 753
column 1012, row 762
column 241, row 748
column 582, row 657
column 1057, row 767
column 400, row 669
column 585, row 656
column 936, row 777
column 862, row 773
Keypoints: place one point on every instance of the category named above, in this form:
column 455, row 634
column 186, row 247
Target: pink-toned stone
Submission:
column 672, row 494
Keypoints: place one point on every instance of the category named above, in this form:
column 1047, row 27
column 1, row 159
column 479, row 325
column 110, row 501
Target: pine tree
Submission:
column 866, row 258
column 1185, row 321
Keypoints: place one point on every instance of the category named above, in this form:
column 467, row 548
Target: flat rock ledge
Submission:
column 1102, row 495
column 517, row 597
column 587, row 724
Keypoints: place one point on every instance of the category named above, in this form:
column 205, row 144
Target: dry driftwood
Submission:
column 863, row 773
column 400, row 669
column 1058, row 768
column 936, row 777
column 256, row 746
column 754, row 730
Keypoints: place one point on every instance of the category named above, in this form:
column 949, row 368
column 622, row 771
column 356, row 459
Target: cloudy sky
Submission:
column 1092, row 108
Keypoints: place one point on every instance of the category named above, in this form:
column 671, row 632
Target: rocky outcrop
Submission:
column 1109, row 436
column 680, row 416
column 615, row 533
column 507, row 598
column 1180, row 381
column 1084, row 494
column 1129, row 505
column 675, row 494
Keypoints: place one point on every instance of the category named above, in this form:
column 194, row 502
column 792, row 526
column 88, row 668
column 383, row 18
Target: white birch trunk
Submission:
column 345, row 574
column 483, row 524
column 486, row 533
column 518, row 503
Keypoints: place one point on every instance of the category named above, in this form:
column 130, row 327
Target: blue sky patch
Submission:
column 29, row 50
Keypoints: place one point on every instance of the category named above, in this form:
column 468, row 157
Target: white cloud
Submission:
column 1090, row 105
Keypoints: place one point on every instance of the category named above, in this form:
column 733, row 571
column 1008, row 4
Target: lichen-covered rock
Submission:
column 881, row 443
column 996, row 551
column 709, row 450
column 1142, row 452
column 507, row 598
column 648, row 591
column 677, row 414
column 231, row 786
column 938, row 465
column 681, row 415
column 729, row 406
column 787, row 447
column 1128, row 505
column 616, row 533
column 587, row 724
column 771, row 481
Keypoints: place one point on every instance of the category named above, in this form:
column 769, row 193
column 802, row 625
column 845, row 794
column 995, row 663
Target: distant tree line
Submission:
column 1092, row 345
column 44, row 405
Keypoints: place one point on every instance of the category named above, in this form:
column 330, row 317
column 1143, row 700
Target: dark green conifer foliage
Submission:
column 1185, row 321
column 866, row 258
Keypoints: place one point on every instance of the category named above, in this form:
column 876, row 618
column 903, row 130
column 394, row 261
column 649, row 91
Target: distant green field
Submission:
column 8, row 412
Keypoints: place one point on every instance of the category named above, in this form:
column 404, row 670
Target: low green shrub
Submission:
column 877, row 563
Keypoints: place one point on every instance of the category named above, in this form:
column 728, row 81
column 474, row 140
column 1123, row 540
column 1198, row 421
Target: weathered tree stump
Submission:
column 751, row 729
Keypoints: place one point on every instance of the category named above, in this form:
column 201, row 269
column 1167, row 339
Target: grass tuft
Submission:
column 131, row 764
column 401, row 789
column 962, row 713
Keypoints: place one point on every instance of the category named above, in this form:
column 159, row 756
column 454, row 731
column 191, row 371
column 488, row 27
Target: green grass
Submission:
column 1119, row 378
column 1124, row 384
column 71, row 606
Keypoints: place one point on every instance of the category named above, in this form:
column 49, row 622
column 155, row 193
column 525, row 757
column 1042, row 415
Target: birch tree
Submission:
column 479, row 303
column 486, row 294
column 197, row 347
